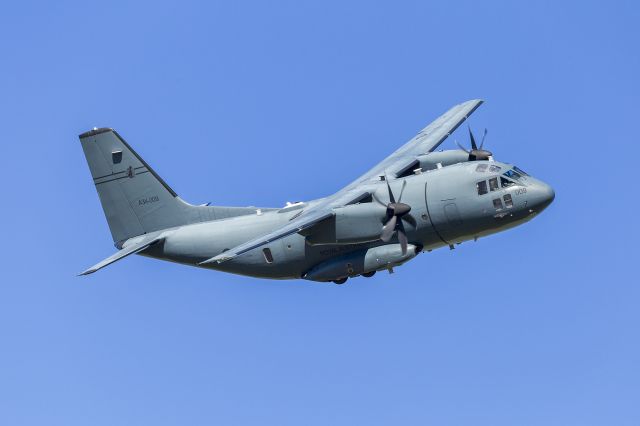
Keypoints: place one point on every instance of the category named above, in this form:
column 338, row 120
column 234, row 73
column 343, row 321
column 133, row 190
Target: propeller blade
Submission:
column 388, row 229
column 402, row 238
column 378, row 201
column 404, row 183
column 483, row 136
column 392, row 199
column 462, row 147
column 473, row 140
column 410, row 219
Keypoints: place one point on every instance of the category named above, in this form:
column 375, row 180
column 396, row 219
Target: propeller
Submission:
column 475, row 153
column 397, row 212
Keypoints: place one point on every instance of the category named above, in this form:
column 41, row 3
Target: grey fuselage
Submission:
column 445, row 202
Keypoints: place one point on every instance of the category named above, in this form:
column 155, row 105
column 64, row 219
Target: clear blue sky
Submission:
column 261, row 104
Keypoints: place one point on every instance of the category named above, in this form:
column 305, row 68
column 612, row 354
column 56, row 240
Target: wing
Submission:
column 427, row 140
column 310, row 217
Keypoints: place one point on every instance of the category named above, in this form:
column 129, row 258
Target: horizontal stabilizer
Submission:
column 126, row 251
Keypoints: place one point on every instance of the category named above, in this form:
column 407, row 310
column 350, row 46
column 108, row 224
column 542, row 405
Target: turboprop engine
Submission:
column 357, row 223
column 433, row 160
column 362, row 262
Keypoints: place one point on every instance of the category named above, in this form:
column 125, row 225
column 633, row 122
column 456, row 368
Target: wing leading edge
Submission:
column 427, row 140
column 299, row 224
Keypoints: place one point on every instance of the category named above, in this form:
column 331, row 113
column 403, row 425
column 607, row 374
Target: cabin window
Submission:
column 268, row 257
column 506, row 182
column 508, row 201
column 497, row 203
column 481, row 168
column 482, row 187
column 494, row 168
column 493, row 184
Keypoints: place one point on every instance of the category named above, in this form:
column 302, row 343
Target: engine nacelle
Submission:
column 361, row 261
column 446, row 158
column 352, row 224
column 430, row 161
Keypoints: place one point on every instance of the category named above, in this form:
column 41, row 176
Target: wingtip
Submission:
column 472, row 104
column 474, row 101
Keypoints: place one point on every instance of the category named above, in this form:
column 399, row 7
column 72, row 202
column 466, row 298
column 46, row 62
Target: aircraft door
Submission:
column 436, row 216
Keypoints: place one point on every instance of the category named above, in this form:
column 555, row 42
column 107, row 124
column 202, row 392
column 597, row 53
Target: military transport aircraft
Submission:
column 417, row 199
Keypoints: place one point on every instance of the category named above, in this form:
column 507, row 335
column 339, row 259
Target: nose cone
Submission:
column 543, row 195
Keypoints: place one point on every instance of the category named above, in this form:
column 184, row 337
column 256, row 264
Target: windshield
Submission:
column 512, row 174
column 519, row 170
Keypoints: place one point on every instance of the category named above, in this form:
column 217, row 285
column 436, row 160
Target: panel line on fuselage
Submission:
column 426, row 202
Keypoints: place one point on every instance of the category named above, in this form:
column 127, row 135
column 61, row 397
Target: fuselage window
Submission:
column 506, row 182
column 497, row 203
column 508, row 201
column 494, row 168
column 493, row 184
column 268, row 257
column 482, row 187
column 481, row 168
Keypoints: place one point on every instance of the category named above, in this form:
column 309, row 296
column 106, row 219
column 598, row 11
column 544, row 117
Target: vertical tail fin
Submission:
column 134, row 198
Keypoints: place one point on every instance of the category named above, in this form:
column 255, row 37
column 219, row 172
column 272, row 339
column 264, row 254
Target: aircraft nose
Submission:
column 544, row 195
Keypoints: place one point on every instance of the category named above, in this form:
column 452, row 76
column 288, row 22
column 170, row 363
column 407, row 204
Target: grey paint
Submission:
column 328, row 239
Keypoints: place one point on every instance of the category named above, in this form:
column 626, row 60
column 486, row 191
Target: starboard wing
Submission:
column 427, row 140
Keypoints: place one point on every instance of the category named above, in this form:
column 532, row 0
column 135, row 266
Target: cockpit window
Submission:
column 512, row 174
column 482, row 168
column 482, row 187
column 506, row 182
column 497, row 204
column 493, row 184
column 519, row 170
column 508, row 201
column 494, row 168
